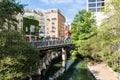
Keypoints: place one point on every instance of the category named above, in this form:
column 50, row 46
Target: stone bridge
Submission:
column 51, row 49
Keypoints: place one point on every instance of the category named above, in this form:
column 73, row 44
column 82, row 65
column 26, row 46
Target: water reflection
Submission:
column 68, row 70
column 59, row 72
column 77, row 71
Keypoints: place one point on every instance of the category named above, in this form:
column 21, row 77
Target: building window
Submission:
column 92, row 5
column 52, row 31
column 92, row 9
column 100, row 4
column 91, row 0
column 48, row 19
column 53, row 27
column 26, row 29
column 98, row 0
column 53, row 18
column 53, row 23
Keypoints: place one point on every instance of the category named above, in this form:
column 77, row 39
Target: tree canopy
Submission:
column 82, row 28
column 8, row 11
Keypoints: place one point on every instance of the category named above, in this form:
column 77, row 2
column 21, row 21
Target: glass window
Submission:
column 92, row 5
column 48, row 19
column 92, row 9
column 100, row 4
column 103, row 4
column 53, row 18
column 52, row 31
column 99, row 0
column 53, row 23
column 53, row 27
column 91, row 0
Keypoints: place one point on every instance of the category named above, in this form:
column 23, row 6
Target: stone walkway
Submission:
column 102, row 72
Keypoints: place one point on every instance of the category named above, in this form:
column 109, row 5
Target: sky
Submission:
column 68, row 8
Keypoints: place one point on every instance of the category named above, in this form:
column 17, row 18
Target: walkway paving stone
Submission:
column 101, row 72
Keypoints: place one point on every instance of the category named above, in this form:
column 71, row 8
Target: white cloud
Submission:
column 56, row 1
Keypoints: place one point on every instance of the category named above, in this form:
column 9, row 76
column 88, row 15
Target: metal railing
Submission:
column 48, row 43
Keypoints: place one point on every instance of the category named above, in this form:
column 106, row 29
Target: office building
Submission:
column 54, row 24
column 38, row 15
column 97, row 7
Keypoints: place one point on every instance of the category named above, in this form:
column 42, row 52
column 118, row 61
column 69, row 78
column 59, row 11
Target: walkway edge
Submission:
column 94, row 75
column 115, row 73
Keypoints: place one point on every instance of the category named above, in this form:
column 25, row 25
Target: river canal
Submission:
column 69, row 70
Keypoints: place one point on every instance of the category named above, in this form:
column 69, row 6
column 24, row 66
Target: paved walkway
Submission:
column 101, row 72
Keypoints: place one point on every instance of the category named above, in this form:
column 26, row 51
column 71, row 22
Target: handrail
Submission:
column 48, row 43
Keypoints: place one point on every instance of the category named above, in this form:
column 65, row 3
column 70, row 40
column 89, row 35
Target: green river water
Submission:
column 76, row 70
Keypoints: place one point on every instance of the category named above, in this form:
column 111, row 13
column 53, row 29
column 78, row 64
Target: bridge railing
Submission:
column 47, row 43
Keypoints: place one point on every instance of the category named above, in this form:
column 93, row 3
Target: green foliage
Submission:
column 73, row 54
column 27, row 22
column 10, row 37
column 117, row 69
column 107, row 38
column 8, row 11
column 17, row 59
column 18, row 62
column 102, row 43
column 83, row 28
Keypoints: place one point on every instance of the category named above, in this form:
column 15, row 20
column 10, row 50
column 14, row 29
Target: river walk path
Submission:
column 102, row 72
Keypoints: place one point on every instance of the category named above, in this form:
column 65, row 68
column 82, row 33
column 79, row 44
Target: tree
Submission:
column 109, row 33
column 83, row 28
column 8, row 11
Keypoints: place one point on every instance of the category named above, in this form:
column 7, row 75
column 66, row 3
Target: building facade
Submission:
column 54, row 23
column 97, row 7
column 38, row 16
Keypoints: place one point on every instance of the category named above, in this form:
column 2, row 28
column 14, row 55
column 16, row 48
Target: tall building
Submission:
column 54, row 23
column 38, row 16
column 97, row 7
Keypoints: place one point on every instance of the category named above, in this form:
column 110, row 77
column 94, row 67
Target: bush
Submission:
column 18, row 61
column 110, row 64
column 116, row 69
